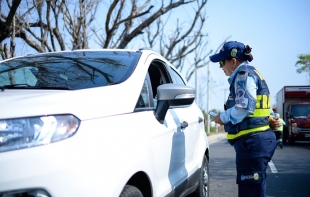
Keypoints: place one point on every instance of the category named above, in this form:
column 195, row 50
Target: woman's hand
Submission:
column 218, row 120
column 274, row 123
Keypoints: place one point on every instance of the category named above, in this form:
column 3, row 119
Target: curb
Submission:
column 216, row 137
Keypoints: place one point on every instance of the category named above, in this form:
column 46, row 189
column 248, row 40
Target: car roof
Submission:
column 142, row 50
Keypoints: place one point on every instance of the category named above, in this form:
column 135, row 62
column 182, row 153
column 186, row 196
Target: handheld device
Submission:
column 212, row 113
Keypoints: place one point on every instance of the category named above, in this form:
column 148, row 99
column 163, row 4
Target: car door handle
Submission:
column 200, row 120
column 184, row 124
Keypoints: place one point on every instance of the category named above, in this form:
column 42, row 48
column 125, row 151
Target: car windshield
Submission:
column 68, row 70
column 301, row 110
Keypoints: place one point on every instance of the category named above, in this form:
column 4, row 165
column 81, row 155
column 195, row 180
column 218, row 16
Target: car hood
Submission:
column 84, row 104
column 303, row 122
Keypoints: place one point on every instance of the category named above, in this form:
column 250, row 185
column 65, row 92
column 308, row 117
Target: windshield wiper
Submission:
column 21, row 85
column 17, row 85
column 27, row 86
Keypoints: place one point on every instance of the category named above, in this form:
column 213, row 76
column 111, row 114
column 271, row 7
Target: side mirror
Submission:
column 172, row 95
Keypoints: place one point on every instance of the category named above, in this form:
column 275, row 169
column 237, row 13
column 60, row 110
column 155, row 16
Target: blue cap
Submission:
column 231, row 49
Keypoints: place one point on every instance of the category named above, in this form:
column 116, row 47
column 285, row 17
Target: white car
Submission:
column 99, row 123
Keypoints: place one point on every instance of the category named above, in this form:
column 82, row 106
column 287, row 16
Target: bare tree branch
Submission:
column 203, row 61
column 5, row 26
column 138, row 30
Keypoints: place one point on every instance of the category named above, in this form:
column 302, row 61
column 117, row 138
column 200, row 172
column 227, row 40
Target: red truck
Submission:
column 293, row 105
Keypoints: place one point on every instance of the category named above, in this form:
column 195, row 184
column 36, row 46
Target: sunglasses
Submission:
column 222, row 63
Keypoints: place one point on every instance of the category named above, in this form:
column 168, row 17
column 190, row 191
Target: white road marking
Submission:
column 272, row 167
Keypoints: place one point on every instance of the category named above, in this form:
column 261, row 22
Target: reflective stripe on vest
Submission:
column 246, row 132
column 261, row 113
column 262, row 108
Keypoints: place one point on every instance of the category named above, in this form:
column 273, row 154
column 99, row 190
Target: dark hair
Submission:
column 247, row 53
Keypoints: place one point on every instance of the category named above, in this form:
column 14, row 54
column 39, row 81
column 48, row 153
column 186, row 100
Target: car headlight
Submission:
column 34, row 131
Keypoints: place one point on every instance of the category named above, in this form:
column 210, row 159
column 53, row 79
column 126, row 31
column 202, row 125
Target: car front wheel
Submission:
column 131, row 191
column 204, row 180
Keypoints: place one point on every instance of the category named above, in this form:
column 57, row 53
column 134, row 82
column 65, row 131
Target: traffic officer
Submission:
column 279, row 130
column 246, row 118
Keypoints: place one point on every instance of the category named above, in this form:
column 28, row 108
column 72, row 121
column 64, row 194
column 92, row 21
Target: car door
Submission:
column 175, row 146
column 193, row 117
column 166, row 156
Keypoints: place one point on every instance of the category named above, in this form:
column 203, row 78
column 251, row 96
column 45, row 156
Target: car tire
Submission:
column 204, row 181
column 130, row 191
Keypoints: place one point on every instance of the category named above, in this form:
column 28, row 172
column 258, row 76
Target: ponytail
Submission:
column 247, row 53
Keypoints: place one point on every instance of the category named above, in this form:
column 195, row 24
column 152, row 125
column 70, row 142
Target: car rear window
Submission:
column 68, row 70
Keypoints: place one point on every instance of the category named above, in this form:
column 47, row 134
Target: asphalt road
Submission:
column 289, row 176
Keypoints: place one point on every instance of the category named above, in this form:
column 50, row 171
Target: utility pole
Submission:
column 208, row 101
column 196, row 76
column 196, row 85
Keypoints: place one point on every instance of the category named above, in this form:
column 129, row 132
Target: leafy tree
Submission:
column 304, row 64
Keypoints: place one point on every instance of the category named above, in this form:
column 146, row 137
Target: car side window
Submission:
column 144, row 98
column 158, row 75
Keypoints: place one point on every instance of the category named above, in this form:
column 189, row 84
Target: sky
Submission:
column 277, row 30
